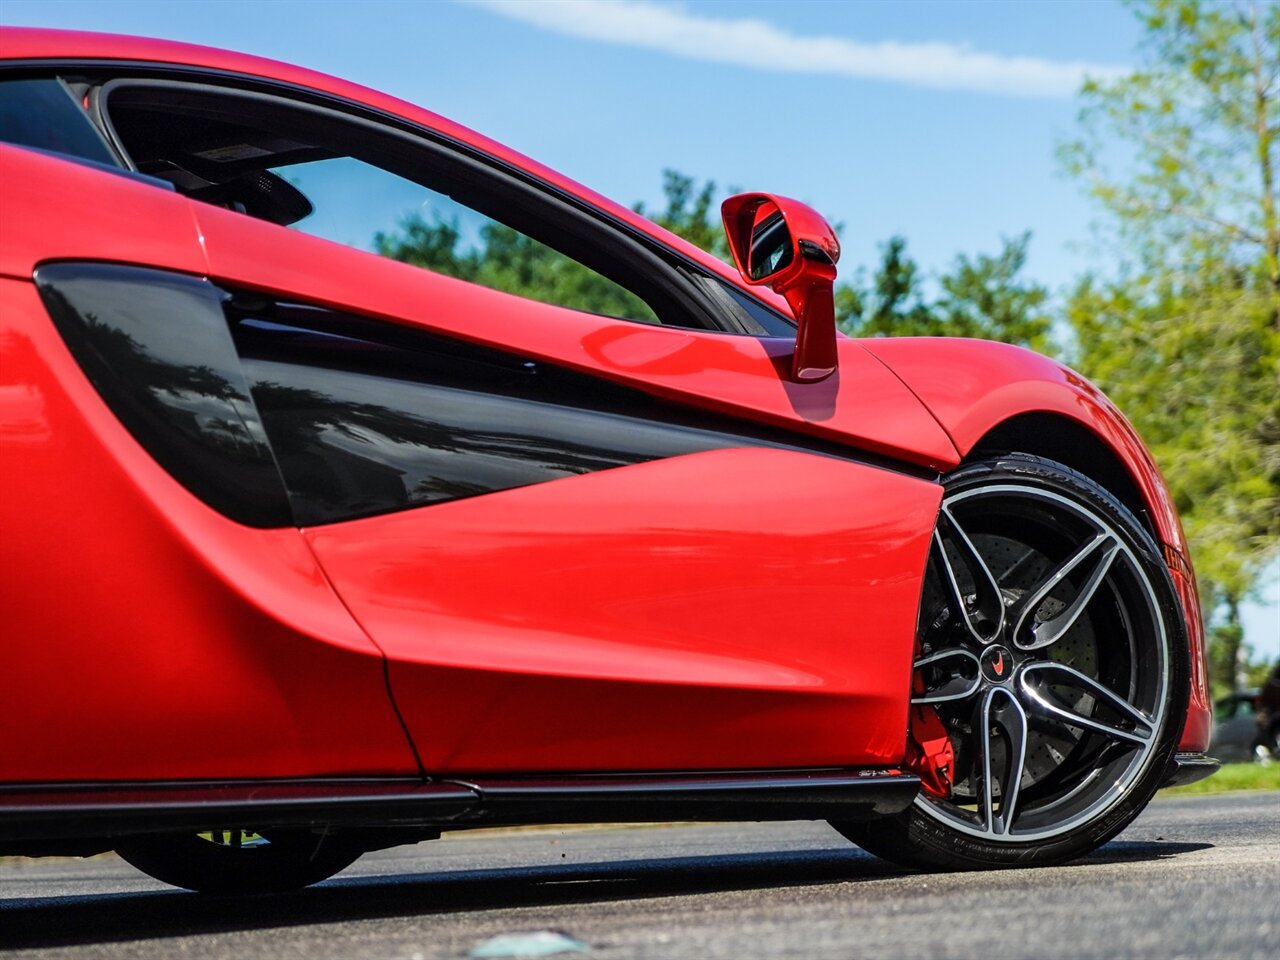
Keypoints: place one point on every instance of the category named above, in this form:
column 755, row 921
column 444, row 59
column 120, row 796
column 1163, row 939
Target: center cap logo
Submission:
column 997, row 664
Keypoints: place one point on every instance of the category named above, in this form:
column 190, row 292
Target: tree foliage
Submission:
column 691, row 212
column 1182, row 156
column 982, row 296
column 1198, row 126
column 507, row 260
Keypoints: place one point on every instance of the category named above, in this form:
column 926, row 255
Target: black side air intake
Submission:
column 156, row 347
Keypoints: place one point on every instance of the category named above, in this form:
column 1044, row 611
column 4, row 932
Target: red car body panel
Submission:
column 578, row 624
column 454, row 671
column 130, row 600
column 614, row 639
column 71, row 211
column 972, row 386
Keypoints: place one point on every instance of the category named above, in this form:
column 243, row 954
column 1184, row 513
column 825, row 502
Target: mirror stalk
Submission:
column 789, row 246
column 811, row 300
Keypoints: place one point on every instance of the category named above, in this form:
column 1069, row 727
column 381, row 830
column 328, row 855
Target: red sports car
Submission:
column 547, row 516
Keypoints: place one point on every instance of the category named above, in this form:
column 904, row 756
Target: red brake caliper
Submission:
column 929, row 752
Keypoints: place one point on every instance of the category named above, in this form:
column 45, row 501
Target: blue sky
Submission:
column 934, row 120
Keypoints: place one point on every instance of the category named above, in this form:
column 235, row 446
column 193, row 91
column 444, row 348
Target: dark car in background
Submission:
column 1235, row 727
column 1267, row 714
column 1246, row 723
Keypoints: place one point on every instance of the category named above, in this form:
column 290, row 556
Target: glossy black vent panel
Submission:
column 156, row 347
column 280, row 413
column 368, row 418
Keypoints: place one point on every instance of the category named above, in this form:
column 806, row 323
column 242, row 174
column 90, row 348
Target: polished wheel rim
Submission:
column 1043, row 651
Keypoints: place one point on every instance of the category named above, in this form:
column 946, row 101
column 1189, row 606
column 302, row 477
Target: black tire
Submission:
column 1051, row 645
column 238, row 862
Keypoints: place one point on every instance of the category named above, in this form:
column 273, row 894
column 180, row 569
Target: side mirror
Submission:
column 789, row 246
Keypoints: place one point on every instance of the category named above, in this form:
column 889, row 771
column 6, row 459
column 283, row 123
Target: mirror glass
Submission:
column 771, row 247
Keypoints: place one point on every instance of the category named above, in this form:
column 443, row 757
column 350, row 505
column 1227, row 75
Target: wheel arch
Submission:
column 979, row 388
column 1056, row 437
column 989, row 395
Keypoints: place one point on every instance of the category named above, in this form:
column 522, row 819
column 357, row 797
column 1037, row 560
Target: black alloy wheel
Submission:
column 1052, row 647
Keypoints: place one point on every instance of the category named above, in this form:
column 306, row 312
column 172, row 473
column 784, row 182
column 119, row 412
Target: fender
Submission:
column 973, row 386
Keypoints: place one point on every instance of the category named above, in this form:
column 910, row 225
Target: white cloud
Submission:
column 760, row 45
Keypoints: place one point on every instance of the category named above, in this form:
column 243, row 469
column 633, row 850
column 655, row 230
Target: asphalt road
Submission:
column 1193, row 877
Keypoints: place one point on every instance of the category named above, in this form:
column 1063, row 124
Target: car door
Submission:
column 584, row 542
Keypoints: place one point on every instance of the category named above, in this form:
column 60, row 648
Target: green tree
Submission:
column 892, row 303
column 1200, row 123
column 691, row 213
column 1182, row 154
column 985, row 297
column 982, row 296
column 507, row 260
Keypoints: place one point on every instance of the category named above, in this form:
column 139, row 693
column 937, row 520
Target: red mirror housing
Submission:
column 789, row 246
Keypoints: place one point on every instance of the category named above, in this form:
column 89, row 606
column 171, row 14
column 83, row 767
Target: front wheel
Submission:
column 239, row 861
column 1051, row 665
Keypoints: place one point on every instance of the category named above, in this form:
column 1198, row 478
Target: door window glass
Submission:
column 286, row 164
column 360, row 205
column 42, row 113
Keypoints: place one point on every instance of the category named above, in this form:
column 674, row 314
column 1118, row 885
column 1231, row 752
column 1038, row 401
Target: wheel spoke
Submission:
column 955, row 687
column 1094, row 560
column 983, row 610
column 1000, row 713
column 1133, row 726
